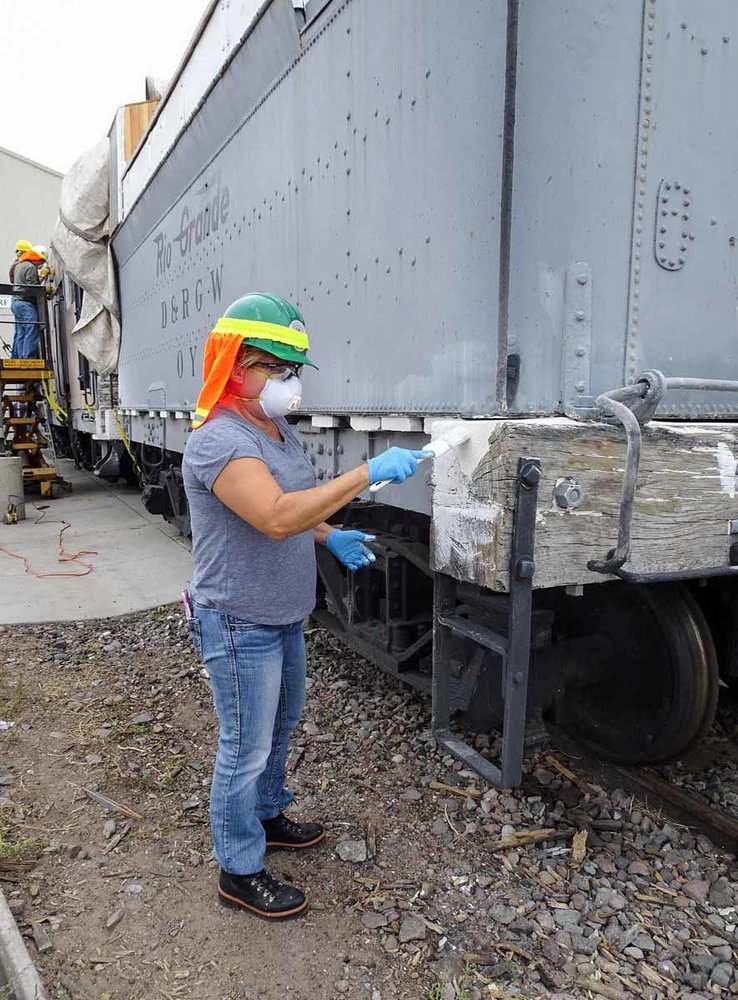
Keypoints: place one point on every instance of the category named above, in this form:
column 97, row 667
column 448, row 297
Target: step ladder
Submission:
column 24, row 419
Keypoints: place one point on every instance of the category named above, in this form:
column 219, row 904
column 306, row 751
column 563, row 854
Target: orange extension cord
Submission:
column 64, row 557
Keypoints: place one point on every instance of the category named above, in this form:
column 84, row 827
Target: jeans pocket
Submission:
column 241, row 625
column 196, row 636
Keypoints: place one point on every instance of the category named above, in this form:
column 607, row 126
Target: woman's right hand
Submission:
column 395, row 465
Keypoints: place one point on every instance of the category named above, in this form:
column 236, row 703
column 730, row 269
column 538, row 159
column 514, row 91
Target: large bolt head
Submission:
column 530, row 474
column 568, row 493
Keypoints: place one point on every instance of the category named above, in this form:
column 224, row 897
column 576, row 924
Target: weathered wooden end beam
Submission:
column 685, row 499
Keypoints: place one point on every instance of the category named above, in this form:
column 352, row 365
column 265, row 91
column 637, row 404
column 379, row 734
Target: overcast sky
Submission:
column 67, row 65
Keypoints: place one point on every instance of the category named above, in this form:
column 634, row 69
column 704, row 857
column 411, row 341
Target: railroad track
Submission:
column 685, row 806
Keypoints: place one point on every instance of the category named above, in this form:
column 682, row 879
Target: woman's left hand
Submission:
column 348, row 548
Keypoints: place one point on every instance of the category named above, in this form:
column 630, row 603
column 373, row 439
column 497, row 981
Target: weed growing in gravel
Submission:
column 460, row 985
column 16, row 852
column 12, row 697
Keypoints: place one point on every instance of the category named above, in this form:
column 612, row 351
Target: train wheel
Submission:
column 640, row 678
column 719, row 603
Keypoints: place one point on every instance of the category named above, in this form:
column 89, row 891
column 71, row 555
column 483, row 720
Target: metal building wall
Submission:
column 30, row 203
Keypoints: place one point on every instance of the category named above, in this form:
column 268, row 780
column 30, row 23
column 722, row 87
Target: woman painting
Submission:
column 256, row 515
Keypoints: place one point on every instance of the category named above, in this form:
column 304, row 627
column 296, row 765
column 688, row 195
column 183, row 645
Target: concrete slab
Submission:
column 140, row 559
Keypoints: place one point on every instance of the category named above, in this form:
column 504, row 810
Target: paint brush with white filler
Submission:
column 451, row 438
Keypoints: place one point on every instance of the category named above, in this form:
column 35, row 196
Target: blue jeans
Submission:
column 25, row 338
column 257, row 674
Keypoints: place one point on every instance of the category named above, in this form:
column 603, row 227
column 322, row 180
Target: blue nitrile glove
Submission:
column 347, row 547
column 396, row 464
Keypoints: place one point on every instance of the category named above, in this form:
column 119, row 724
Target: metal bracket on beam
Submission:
column 514, row 647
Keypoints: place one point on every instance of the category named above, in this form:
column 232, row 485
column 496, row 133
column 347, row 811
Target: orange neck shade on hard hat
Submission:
column 221, row 351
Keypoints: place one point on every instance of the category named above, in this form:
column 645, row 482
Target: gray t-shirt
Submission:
column 239, row 570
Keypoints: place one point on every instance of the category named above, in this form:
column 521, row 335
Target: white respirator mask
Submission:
column 280, row 396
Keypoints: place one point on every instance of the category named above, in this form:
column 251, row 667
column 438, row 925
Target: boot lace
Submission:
column 267, row 886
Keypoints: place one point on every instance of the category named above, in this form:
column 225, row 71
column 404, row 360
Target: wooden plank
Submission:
column 136, row 118
column 685, row 498
column 15, row 363
column 48, row 472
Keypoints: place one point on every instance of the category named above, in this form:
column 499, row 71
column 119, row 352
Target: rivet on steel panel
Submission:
column 427, row 239
column 582, row 279
column 726, row 38
column 581, row 386
column 703, row 50
column 580, row 352
column 579, row 316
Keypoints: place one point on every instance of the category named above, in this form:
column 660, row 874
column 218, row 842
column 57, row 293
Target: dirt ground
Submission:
column 411, row 896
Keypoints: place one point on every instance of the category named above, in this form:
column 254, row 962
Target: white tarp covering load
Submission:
column 81, row 242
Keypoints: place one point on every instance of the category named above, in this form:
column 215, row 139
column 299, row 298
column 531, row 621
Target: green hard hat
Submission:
column 270, row 323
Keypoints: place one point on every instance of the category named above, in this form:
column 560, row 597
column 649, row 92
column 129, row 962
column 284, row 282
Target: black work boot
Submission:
column 284, row 834
column 262, row 894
